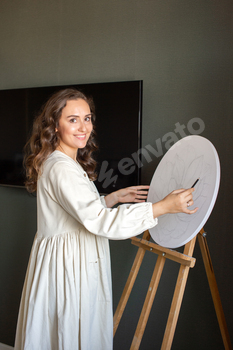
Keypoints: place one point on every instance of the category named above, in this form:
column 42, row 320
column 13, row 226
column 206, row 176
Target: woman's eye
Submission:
column 73, row 120
column 88, row 119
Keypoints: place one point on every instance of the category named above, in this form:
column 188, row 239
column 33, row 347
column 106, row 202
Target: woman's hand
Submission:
column 177, row 201
column 133, row 194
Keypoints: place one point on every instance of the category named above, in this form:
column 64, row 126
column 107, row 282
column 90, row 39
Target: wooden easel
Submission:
column 186, row 261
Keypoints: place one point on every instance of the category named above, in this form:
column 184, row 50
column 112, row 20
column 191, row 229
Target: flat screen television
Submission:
column 118, row 118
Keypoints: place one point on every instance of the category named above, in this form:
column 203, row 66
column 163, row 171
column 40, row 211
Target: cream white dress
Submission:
column 66, row 301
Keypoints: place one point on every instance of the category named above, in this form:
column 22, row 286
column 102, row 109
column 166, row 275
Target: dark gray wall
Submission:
column 183, row 51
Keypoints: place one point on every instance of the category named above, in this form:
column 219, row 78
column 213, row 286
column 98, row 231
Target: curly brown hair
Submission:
column 44, row 139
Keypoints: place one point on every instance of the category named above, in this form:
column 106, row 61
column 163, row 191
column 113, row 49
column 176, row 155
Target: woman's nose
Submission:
column 82, row 126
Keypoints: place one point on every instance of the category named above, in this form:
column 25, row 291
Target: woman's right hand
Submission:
column 177, row 201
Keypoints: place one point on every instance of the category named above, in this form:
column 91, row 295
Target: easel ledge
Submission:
column 186, row 261
column 168, row 253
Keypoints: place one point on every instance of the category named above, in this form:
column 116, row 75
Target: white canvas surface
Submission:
column 191, row 158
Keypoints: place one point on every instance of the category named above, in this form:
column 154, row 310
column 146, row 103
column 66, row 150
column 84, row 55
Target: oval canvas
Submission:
column 187, row 160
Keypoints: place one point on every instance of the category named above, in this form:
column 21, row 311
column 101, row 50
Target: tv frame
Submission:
column 23, row 104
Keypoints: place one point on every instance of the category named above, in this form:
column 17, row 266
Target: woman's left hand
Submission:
column 133, row 194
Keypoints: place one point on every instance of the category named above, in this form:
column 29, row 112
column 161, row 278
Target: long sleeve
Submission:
column 72, row 190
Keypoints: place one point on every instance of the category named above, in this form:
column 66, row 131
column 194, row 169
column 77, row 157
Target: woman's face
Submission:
column 75, row 126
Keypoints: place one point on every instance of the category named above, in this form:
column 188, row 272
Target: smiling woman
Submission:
column 67, row 296
column 66, row 107
column 75, row 127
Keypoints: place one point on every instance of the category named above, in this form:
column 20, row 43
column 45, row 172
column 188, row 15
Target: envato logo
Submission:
column 127, row 166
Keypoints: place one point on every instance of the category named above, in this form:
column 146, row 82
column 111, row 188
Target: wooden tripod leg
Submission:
column 148, row 303
column 129, row 284
column 177, row 299
column 214, row 289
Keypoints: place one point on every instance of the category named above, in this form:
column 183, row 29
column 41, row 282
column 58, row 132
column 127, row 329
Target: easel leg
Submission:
column 177, row 299
column 129, row 284
column 148, row 303
column 214, row 289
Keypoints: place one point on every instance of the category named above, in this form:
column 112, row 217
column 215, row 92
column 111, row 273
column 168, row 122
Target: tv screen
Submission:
column 118, row 118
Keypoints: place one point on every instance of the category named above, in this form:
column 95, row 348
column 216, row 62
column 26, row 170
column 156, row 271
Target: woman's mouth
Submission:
column 80, row 137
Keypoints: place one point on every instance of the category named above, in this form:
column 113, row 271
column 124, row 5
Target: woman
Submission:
column 67, row 298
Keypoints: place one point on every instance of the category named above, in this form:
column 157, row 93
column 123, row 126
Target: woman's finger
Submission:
column 142, row 193
column 192, row 211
